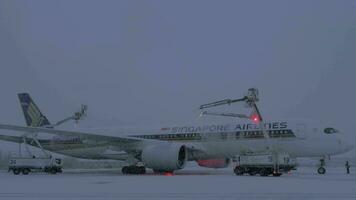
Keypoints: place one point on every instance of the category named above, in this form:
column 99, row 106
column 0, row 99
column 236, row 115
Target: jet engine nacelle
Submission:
column 165, row 157
column 214, row 163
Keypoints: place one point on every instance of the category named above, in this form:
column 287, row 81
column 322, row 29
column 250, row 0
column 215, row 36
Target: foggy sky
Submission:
column 143, row 63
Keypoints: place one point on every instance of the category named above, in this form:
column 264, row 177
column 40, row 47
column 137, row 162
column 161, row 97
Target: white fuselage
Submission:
column 298, row 139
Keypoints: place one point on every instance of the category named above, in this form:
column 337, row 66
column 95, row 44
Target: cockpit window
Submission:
column 330, row 130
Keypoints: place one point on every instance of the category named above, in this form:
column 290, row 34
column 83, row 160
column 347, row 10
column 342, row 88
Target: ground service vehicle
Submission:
column 25, row 165
column 264, row 164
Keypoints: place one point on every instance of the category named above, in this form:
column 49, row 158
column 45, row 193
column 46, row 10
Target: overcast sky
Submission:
column 142, row 63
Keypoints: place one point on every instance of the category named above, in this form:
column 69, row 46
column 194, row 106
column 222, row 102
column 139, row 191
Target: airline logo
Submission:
column 35, row 115
column 227, row 128
column 66, row 139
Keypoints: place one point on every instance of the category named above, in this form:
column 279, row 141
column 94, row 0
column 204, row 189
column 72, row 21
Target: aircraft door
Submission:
column 301, row 131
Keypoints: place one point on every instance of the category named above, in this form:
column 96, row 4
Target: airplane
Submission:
column 170, row 148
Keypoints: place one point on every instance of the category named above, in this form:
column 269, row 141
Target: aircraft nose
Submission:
column 345, row 144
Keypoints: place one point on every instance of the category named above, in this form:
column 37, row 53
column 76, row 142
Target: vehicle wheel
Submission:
column 264, row 172
column 142, row 170
column 25, row 171
column 53, row 171
column 321, row 170
column 276, row 174
column 252, row 172
column 238, row 171
column 125, row 170
column 16, row 171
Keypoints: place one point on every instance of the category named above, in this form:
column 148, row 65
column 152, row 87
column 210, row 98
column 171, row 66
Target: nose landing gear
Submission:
column 321, row 169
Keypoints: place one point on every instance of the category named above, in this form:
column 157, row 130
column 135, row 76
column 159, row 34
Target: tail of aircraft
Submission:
column 32, row 113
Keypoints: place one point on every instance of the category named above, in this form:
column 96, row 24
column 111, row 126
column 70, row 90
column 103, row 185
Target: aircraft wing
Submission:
column 125, row 143
column 82, row 135
column 11, row 138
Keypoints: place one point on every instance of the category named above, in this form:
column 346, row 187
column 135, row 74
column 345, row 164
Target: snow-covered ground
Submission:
column 191, row 183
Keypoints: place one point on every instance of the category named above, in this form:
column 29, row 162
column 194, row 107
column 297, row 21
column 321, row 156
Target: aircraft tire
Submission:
column 16, row 171
column 321, row 170
column 25, row 171
column 133, row 170
column 238, row 171
column 159, row 171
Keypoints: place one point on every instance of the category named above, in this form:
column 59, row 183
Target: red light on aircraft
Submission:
column 255, row 118
column 214, row 163
column 168, row 174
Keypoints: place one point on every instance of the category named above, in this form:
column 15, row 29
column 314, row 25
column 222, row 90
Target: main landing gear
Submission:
column 321, row 169
column 163, row 172
column 133, row 170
